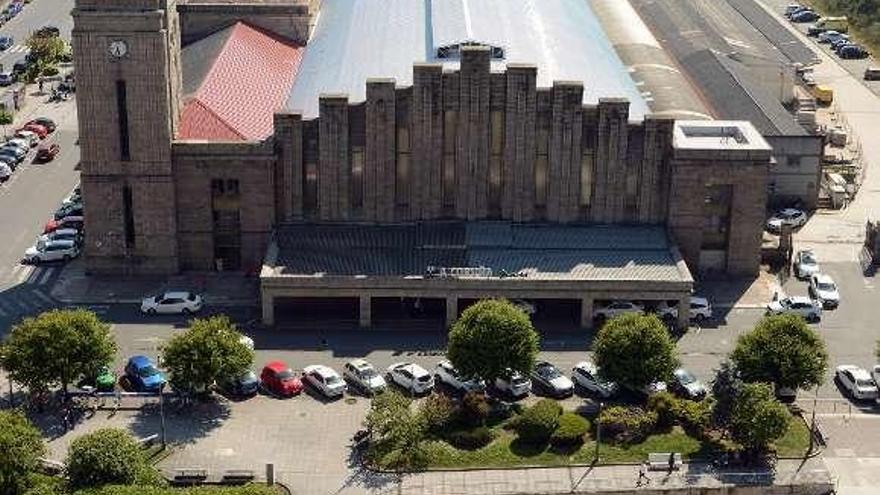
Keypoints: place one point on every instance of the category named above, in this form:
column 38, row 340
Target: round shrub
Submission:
column 474, row 409
column 627, row 424
column 538, row 422
column 106, row 456
column 666, row 406
column 694, row 416
column 471, row 439
column 571, row 430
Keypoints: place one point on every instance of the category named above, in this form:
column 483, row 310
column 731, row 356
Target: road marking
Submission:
column 45, row 278
column 44, row 297
column 35, row 275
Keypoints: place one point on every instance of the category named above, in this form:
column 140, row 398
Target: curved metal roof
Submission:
column 355, row 40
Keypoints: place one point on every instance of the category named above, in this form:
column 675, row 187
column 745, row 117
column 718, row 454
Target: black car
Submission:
column 48, row 31
column 46, row 122
column 20, row 67
column 852, row 51
column 241, row 386
column 69, row 210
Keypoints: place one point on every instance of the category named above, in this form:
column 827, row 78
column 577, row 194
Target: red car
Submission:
column 47, row 152
column 69, row 222
column 37, row 129
column 277, row 378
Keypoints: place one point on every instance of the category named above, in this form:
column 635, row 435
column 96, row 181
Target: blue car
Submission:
column 143, row 374
column 6, row 42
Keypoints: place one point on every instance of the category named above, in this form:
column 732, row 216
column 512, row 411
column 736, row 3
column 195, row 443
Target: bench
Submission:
column 659, row 461
column 238, row 477
column 190, row 476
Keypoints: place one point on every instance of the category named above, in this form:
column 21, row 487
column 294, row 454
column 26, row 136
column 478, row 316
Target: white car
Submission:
column 526, row 307
column 411, row 377
column 551, row 380
column 61, row 235
column 29, row 136
column 617, row 308
column 19, row 142
column 586, row 375
column 830, row 36
column 172, row 303
column 823, row 288
column 806, row 264
column 364, row 376
column 446, row 374
column 787, row 216
column 60, row 250
column 517, row 385
column 700, row 309
column 247, row 341
column 5, row 172
column 325, row 380
column 809, row 309
column 857, row 382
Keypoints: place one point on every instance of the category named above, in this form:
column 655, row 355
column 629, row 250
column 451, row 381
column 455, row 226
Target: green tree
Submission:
column 491, row 338
column 396, row 432
column 57, row 348
column 108, row 455
column 635, row 350
column 6, row 118
column 21, row 447
column 725, row 388
column 757, row 418
column 782, row 350
column 209, row 350
column 47, row 50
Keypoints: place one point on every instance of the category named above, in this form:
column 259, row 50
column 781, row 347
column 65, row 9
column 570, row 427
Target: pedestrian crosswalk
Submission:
column 28, row 275
column 23, row 301
column 16, row 49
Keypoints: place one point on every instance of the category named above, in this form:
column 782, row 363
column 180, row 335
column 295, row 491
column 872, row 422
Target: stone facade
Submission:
column 470, row 144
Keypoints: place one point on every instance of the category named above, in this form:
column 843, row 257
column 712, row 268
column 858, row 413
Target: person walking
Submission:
column 643, row 475
column 671, row 462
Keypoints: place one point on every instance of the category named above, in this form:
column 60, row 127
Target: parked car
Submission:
column 411, row 377
column 809, row 309
column 277, row 378
column 651, row 388
column 830, row 36
column 699, row 310
column 143, row 375
column 586, row 375
column 48, row 31
column 806, row 264
column 62, row 235
column 29, row 136
column 872, row 73
column 804, row 16
column 7, row 78
column 172, row 303
column 364, row 376
column 852, row 51
column 617, row 308
column 61, row 250
column 5, row 172
column 71, row 222
column 325, row 380
column 9, row 162
column 857, row 381
column 526, row 306
column 47, row 152
column 68, row 210
column 516, row 385
column 792, row 8
column 12, row 151
column 46, row 122
column 6, row 42
column 446, row 374
column 823, row 288
column 551, row 380
column 839, row 43
column 242, row 385
column 787, row 216
column 37, row 129
column 686, row 384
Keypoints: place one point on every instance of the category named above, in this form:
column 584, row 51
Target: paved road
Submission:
column 33, row 193
column 35, row 15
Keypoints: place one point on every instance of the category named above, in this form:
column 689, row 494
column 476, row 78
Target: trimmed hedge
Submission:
column 666, row 406
column 252, row 489
column 627, row 424
column 538, row 422
column 571, row 430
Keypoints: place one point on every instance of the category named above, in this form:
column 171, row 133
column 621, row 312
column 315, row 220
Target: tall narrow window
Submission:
column 128, row 212
column 122, row 112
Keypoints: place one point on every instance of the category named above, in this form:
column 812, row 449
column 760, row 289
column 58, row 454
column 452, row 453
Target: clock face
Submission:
column 118, row 48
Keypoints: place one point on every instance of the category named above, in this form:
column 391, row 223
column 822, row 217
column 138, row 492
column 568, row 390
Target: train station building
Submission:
column 439, row 151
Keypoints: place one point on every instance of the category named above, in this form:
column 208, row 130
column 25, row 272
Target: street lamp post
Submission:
column 162, row 414
column 598, row 433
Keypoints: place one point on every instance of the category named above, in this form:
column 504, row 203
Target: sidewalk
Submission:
column 219, row 289
column 739, row 293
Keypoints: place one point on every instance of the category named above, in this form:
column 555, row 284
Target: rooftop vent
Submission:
column 453, row 51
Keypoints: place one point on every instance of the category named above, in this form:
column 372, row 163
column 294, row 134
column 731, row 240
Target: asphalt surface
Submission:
column 29, row 198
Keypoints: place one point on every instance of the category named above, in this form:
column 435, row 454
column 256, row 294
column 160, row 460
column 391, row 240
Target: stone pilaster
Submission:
column 610, row 190
column 472, row 141
column 426, row 125
column 334, row 168
column 565, row 151
column 518, row 170
column 379, row 171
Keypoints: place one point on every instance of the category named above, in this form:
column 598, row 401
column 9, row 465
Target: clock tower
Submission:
column 127, row 61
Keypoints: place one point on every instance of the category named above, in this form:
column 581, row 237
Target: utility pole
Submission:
column 598, row 434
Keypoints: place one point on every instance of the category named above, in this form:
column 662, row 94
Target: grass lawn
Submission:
column 507, row 451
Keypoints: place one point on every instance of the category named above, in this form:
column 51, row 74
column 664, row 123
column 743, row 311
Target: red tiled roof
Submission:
column 249, row 80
